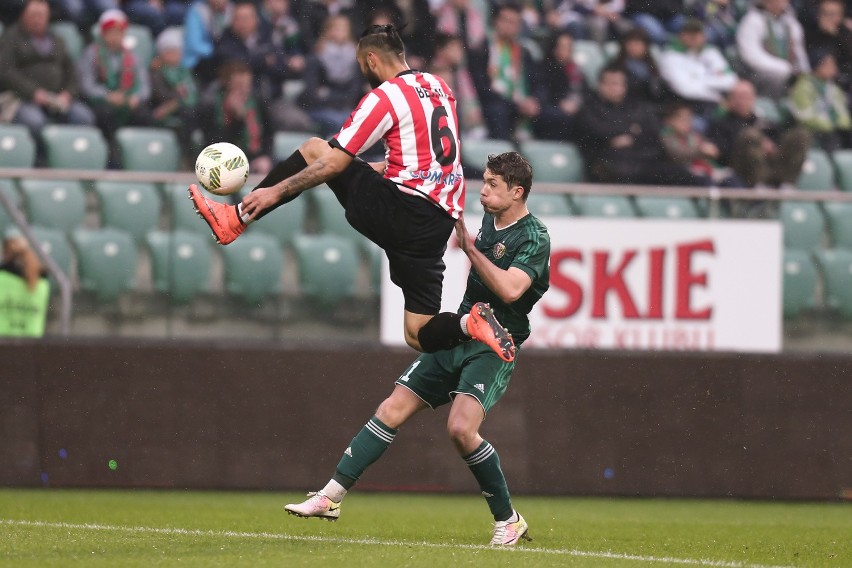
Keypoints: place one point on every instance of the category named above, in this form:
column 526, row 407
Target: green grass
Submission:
column 50, row 527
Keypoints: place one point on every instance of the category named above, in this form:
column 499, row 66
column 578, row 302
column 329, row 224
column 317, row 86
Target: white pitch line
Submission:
column 377, row 542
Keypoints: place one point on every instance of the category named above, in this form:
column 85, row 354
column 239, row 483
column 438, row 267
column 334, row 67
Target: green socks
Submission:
column 484, row 463
column 367, row 446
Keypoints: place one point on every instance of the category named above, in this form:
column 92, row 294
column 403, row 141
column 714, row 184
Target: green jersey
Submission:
column 525, row 245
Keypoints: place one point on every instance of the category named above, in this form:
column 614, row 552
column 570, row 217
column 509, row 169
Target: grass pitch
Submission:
column 49, row 527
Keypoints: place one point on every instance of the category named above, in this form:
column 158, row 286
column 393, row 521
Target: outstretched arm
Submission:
column 509, row 285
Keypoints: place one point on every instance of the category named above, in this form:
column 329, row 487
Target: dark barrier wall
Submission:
column 232, row 416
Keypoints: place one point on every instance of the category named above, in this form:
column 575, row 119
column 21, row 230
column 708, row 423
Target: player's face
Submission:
column 496, row 196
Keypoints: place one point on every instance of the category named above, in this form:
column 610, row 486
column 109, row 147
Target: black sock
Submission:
column 282, row 170
column 441, row 332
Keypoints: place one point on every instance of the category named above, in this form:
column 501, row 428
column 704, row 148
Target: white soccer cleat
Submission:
column 508, row 534
column 318, row 506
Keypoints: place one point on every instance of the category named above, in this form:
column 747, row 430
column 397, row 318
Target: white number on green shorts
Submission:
column 410, row 370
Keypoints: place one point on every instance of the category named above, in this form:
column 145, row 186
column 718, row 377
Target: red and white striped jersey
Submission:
column 415, row 114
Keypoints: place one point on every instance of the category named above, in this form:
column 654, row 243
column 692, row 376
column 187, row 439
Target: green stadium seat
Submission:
column 7, row 188
column 130, row 206
column 285, row 143
column 475, row 152
column 591, row 59
column 183, row 216
column 58, row 204
column 839, row 221
column 71, row 37
column 836, row 268
column 767, row 109
column 557, row 162
column 106, row 262
column 666, row 207
column 604, row 205
column 610, row 50
column 55, row 245
column 180, row 263
column 800, row 281
column 285, row 222
column 74, row 147
column 148, row 149
column 253, row 267
column 328, row 268
column 843, row 168
column 817, row 172
column 17, row 147
column 548, row 204
column 332, row 216
column 804, row 225
column 472, row 207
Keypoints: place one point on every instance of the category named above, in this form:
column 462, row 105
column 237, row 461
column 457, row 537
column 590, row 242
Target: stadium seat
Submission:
column 591, row 59
column 817, row 172
column 253, row 266
column 285, row 222
column 666, row 207
column 74, row 147
column 843, row 168
column 180, row 262
column 836, row 268
column 767, row 109
column 55, row 245
column 800, row 280
column 475, row 152
column 604, row 205
column 328, row 268
column 285, row 143
column 7, row 188
column 130, row 206
column 472, row 207
column 804, row 225
column 71, row 37
column 332, row 217
column 548, row 204
column 839, row 221
column 58, row 204
column 148, row 149
column 557, row 162
column 106, row 262
column 17, row 147
column 180, row 209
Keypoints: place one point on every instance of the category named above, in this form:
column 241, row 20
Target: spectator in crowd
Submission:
column 644, row 81
column 828, row 32
column 771, row 43
column 156, row 15
column 174, row 94
column 695, row 71
column 462, row 19
column 759, row 153
column 720, row 18
column 563, row 86
column 83, row 12
column 658, row 18
column 620, row 138
column 587, row 19
column 689, row 148
column 204, row 24
column 312, row 15
column 448, row 62
column 230, row 113
column 413, row 19
column 243, row 41
column 819, row 104
column 115, row 82
column 333, row 80
column 39, row 77
column 279, row 25
column 24, row 289
column 505, row 75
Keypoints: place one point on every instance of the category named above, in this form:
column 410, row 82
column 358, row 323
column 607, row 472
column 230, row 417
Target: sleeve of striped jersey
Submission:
column 368, row 123
column 533, row 255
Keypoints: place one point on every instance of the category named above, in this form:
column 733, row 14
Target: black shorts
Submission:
column 412, row 231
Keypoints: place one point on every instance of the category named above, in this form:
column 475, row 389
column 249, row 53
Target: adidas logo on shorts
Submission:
column 348, row 452
column 480, row 387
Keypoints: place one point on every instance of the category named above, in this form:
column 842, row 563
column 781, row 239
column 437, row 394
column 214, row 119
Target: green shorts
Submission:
column 470, row 368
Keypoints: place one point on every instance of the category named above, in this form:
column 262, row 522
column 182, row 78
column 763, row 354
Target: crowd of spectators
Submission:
column 675, row 100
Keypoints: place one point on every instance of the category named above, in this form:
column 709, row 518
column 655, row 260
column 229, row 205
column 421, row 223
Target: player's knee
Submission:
column 391, row 413
column 461, row 432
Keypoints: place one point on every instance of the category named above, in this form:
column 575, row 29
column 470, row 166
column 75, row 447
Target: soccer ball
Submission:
column 222, row 168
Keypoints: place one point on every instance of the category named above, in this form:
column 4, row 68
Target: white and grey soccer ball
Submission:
column 222, row 168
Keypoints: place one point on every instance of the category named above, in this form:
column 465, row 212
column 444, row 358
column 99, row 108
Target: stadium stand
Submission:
column 836, row 269
column 548, row 204
column 71, row 37
column 17, row 147
column 106, row 262
column 817, row 172
column 7, row 187
column 839, row 221
column 148, row 149
column 132, row 207
column 253, row 268
column 60, row 204
column 666, row 207
column 603, row 205
column 843, row 169
column 285, row 222
column 180, row 262
column 799, row 283
column 74, row 147
column 55, row 245
column 804, row 225
column 558, row 162
column 285, row 143
column 475, row 152
column 331, row 218
column 328, row 268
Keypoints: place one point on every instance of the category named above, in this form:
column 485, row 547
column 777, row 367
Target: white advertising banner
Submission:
column 647, row 284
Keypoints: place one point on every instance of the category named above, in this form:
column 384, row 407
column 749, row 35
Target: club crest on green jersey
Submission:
column 499, row 250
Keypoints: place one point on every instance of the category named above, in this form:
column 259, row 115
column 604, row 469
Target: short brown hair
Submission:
column 513, row 168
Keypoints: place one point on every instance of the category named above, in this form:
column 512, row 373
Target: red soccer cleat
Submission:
column 484, row 327
column 222, row 218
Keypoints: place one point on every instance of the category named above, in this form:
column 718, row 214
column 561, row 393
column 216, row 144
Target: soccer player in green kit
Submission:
column 510, row 270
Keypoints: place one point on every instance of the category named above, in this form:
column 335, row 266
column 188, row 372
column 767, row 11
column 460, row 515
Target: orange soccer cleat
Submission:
column 222, row 218
column 484, row 327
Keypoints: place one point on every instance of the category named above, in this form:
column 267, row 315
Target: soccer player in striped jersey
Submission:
column 407, row 204
column 510, row 268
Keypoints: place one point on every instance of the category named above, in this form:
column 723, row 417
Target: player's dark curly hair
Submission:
column 382, row 38
column 513, row 168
